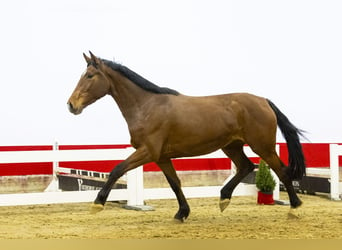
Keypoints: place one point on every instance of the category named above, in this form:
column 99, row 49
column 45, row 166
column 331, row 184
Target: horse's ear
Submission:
column 88, row 60
column 94, row 60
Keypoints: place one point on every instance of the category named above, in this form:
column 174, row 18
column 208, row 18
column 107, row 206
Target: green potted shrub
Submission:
column 265, row 183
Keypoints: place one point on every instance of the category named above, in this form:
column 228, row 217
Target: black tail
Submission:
column 291, row 135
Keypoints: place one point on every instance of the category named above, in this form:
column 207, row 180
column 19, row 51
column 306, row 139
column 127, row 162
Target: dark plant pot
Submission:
column 265, row 198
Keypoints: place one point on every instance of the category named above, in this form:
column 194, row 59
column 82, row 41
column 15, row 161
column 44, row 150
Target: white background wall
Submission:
column 288, row 51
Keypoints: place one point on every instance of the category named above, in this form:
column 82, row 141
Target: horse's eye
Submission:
column 90, row 76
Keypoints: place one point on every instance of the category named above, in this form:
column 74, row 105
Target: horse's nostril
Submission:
column 70, row 107
column 75, row 110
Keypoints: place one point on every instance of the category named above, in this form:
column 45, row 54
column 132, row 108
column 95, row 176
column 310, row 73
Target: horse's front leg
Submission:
column 138, row 158
column 171, row 176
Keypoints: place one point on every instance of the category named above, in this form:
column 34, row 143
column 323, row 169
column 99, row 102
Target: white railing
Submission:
column 55, row 156
column 135, row 194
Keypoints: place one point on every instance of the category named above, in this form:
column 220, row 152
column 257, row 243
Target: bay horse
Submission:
column 164, row 124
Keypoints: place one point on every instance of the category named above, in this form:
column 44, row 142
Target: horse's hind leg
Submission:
column 244, row 167
column 171, row 176
column 273, row 160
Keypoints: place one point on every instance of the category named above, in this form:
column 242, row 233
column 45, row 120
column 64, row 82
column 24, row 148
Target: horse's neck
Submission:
column 129, row 97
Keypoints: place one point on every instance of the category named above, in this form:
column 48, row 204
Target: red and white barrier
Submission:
column 135, row 193
column 55, row 196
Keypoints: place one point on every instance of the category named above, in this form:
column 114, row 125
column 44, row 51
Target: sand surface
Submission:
column 320, row 218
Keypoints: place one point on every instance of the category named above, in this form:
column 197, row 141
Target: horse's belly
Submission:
column 194, row 146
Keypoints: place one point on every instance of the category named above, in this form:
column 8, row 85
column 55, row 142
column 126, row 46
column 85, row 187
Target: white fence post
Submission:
column 335, row 151
column 54, row 184
column 135, row 187
column 276, row 192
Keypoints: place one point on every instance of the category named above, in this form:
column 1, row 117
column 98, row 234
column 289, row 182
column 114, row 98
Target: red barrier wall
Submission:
column 8, row 169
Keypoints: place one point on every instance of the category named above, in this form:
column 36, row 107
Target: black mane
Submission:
column 139, row 80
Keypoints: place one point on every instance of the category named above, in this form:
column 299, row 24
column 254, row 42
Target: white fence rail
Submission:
column 56, row 156
column 135, row 194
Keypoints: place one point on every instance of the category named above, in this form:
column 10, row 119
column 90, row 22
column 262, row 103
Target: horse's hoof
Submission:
column 224, row 204
column 293, row 214
column 95, row 208
column 180, row 218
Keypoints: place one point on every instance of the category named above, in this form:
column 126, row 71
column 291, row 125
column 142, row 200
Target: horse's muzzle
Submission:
column 74, row 110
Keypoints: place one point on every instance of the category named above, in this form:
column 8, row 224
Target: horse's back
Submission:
column 250, row 114
column 242, row 106
column 236, row 103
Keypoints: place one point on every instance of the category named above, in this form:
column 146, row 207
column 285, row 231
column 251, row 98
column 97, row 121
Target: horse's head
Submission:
column 93, row 85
